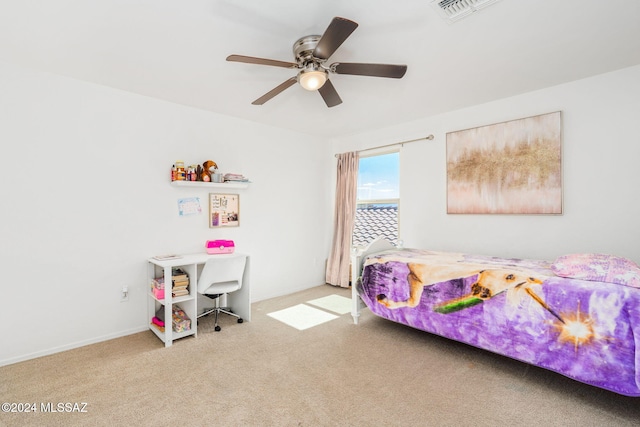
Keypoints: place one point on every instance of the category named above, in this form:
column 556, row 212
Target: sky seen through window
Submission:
column 378, row 177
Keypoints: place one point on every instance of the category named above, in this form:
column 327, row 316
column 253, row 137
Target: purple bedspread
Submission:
column 584, row 330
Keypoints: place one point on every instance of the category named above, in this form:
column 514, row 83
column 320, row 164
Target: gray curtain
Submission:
column 337, row 273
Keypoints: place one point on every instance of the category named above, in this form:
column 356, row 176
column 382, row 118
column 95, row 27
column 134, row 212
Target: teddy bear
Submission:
column 208, row 168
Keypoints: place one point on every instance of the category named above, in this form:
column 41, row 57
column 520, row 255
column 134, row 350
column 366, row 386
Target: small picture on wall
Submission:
column 513, row 167
column 224, row 210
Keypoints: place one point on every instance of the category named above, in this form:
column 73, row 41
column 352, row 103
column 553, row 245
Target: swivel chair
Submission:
column 221, row 276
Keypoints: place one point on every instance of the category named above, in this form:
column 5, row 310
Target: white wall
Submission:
column 601, row 151
column 86, row 200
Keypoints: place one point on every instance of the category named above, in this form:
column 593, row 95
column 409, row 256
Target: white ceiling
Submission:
column 175, row 50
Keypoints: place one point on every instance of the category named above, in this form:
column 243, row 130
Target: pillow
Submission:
column 598, row 268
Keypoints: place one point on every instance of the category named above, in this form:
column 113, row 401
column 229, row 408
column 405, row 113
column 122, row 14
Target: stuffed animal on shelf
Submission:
column 208, row 168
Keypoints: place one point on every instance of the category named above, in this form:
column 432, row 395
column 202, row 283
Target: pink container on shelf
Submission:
column 220, row 246
column 158, row 293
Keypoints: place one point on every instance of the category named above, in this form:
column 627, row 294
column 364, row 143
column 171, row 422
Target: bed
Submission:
column 578, row 315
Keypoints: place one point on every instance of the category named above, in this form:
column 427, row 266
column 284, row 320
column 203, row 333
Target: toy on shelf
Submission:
column 207, row 172
column 208, row 168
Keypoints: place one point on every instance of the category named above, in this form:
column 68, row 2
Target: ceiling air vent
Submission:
column 454, row 10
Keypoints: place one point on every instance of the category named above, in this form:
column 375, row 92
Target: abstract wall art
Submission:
column 513, row 167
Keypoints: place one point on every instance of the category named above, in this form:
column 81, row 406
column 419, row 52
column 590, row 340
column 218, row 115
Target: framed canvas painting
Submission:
column 513, row 167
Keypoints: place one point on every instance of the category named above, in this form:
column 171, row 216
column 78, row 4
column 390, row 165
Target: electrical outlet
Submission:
column 124, row 296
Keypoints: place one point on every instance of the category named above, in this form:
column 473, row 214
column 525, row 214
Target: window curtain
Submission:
column 338, row 269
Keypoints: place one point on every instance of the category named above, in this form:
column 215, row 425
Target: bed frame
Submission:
column 357, row 259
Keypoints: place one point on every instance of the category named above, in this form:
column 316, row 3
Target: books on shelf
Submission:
column 235, row 177
column 179, row 275
column 179, row 284
column 167, row 257
column 180, row 292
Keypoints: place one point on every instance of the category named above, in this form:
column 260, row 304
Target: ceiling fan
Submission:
column 311, row 53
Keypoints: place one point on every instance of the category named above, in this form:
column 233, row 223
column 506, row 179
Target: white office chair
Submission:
column 221, row 276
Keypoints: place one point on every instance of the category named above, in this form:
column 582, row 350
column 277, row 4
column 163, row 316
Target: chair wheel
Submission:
column 240, row 320
column 218, row 328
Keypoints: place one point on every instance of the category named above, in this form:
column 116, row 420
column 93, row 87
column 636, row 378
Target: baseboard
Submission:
column 66, row 347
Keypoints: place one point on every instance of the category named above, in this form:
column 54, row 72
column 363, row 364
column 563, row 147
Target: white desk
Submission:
column 239, row 301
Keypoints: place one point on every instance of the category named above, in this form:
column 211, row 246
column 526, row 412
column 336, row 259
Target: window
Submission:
column 378, row 198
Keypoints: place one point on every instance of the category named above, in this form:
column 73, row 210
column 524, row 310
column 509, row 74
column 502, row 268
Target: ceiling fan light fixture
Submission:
column 311, row 55
column 312, row 79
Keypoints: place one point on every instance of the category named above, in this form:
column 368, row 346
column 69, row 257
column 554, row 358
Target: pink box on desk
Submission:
column 220, row 246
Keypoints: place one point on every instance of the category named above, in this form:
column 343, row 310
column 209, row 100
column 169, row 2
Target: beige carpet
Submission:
column 266, row 373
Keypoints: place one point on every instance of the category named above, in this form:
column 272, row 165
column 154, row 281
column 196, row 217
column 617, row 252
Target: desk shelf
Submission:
column 187, row 303
column 176, row 335
column 174, row 300
column 192, row 265
column 217, row 185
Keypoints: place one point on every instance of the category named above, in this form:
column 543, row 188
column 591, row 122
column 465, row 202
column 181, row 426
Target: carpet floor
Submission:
column 320, row 373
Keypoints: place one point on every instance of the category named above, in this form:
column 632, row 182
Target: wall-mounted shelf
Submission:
column 227, row 185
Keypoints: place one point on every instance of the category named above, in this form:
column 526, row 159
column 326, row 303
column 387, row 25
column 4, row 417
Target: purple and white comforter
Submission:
column 587, row 330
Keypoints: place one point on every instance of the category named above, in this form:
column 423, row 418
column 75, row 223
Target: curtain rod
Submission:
column 429, row 137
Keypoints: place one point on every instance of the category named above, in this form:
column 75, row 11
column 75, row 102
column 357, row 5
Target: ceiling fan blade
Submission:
column 374, row 70
column 329, row 94
column 275, row 91
column 335, row 34
column 261, row 61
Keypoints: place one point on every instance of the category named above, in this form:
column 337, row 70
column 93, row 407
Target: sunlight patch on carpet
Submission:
column 302, row 316
column 336, row 303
